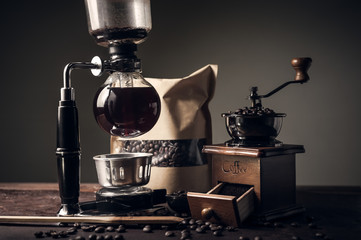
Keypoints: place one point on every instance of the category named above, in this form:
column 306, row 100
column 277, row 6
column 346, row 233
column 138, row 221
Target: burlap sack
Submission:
column 177, row 139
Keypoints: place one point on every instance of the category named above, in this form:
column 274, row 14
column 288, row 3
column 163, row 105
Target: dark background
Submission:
column 252, row 41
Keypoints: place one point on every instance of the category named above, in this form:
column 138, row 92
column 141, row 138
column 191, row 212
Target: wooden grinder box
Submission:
column 269, row 170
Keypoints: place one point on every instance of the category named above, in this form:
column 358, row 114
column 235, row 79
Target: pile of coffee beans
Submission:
column 257, row 111
column 56, row 234
column 178, row 202
column 96, row 232
column 100, row 232
column 189, row 228
column 169, row 153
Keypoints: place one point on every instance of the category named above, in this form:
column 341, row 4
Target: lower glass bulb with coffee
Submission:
column 126, row 105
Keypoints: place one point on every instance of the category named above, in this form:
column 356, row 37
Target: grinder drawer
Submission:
column 226, row 203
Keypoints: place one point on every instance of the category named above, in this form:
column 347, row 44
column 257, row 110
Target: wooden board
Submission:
column 84, row 187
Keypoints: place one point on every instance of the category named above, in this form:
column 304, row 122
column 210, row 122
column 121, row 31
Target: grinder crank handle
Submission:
column 301, row 65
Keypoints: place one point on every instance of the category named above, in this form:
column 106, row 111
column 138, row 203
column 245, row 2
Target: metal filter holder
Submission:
column 123, row 170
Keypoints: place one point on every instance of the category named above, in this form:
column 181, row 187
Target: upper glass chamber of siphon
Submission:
column 126, row 105
column 112, row 21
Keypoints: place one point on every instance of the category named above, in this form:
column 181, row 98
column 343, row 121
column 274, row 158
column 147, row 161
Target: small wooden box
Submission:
column 270, row 170
column 216, row 206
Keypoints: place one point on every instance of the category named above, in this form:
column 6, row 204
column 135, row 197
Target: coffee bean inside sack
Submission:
column 169, row 153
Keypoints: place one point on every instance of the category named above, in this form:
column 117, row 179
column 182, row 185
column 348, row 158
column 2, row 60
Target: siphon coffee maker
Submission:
column 125, row 105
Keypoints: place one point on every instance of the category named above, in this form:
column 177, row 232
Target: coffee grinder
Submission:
column 125, row 105
column 253, row 173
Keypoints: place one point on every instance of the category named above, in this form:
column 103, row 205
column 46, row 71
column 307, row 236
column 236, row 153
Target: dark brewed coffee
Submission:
column 126, row 112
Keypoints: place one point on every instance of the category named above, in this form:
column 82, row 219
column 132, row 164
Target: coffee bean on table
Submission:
column 39, row 234
column 214, row 228
column 92, row 237
column 312, row 225
column 200, row 230
column 199, row 222
column 185, row 231
column 77, row 225
column 169, row 234
column 267, row 224
column 109, row 229
column 99, row 229
column 120, row 229
column 118, row 237
column 278, row 224
column 62, row 224
column 72, row 230
column 217, row 233
column 294, row 224
column 257, row 238
column 185, row 234
column 319, row 235
column 108, row 237
column 243, row 238
column 54, row 234
column 147, row 229
column 193, row 227
column 87, row 228
column 63, row 234
column 181, row 226
column 164, row 227
column 48, row 233
column 100, row 237
column 230, row 228
column 185, row 222
column 79, row 238
column 204, row 227
column 213, row 225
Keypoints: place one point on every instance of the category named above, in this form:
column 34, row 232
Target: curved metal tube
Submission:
column 75, row 65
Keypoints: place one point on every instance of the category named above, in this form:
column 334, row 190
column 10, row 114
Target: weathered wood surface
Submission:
column 335, row 210
column 40, row 199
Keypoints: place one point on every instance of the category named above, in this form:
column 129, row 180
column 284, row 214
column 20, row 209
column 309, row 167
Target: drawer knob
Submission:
column 207, row 213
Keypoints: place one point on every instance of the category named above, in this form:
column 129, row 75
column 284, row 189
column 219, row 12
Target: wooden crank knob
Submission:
column 301, row 65
column 207, row 213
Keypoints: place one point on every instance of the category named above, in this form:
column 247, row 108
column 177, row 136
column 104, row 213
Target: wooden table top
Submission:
column 335, row 211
